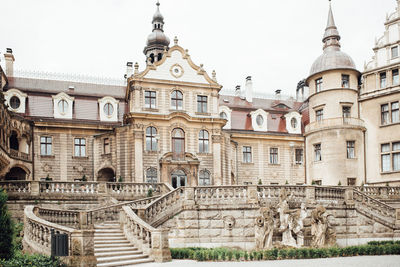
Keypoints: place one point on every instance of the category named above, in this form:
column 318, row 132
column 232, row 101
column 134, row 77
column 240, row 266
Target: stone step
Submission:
column 102, row 231
column 114, row 249
column 126, row 263
column 110, row 235
column 108, row 226
column 106, row 237
column 134, row 251
column 112, row 241
column 108, row 245
column 120, row 258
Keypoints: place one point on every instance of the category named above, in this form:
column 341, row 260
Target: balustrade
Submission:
column 16, row 187
column 329, row 193
column 218, row 193
column 68, row 218
column 380, row 192
column 140, row 189
column 19, row 155
column 273, row 191
column 84, row 188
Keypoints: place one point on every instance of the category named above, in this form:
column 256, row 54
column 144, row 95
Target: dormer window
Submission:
column 15, row 103
column 260, row 120
column 108, row 109
column 293, row 122
column 62, row 106
column 223, row 115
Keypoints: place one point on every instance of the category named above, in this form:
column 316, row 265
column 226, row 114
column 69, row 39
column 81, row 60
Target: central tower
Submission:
column 157, row 41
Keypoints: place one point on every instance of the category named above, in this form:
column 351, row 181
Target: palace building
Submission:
column 171, row 123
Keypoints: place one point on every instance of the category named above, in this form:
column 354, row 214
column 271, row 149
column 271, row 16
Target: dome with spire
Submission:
column 332, row 57
column 158, row 17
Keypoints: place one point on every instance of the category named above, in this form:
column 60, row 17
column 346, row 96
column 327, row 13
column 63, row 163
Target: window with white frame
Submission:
column 151, row 141
column 395, row 51
column 150, row 99
column 350, row 148
column 202, row 104
column 247, row 154
column 390, row 157
column 203, row 141
column 80, row 147
column 273, row 155
column 63, row 106
column 45, row 145
column 318, row 85
column 345, row 81
column 395, row 77
column 390, row 113
column 317, row 152
column 382, row 79
column 177, row 100
column 204, row 178
column 299, row 156
column 319, row 115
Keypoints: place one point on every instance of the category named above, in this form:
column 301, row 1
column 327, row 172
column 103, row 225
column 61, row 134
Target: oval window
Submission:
column 63, row 106
column 108, row 109
column 15, row 102
column 294, row 123
column 260, row 120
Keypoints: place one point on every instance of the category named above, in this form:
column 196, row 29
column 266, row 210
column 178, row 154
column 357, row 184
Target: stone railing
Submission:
column 68, row 218
column 271, row 192
column 37, row 239
column 329, row 193
column 211, row 194
column 375, row 209
column 48, row 189
column 83, row 188
column 20, row 155
column 135, row 188
column 152, row 241
column 162, row 207
column 333, row 123
column 381, row 192
column 111, row 213
column 16, row 187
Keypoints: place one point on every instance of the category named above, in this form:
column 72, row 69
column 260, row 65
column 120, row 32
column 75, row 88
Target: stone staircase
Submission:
column 112, row 249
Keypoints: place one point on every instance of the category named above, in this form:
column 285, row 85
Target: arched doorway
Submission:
column 16, row 173
column 178, row 178
column 106, row 175
column 14, row 144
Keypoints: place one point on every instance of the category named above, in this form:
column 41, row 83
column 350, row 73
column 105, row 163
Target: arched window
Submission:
column 63, row 106
column 223, row 115
column 151, row 175
column 108, row 109
column 159, row 56
column 178, row 144
column 177, row 100
column 203, row 141
column 151, row 140
column 204, row 178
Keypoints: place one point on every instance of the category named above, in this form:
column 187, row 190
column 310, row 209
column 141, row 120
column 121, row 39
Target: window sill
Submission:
column 202, row 114
column 106, row 154
column 204, row 153
column 150, row 152
column 389, row 124
column 151, row 109
column 352, row 158
column 247, row 163
column 177, row 110
column 317, row 162
column 390, row 172
column 48, row 156
column 274, row 164
column 79, row 157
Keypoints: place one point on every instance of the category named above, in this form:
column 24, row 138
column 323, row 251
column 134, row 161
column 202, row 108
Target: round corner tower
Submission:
column 335, row 135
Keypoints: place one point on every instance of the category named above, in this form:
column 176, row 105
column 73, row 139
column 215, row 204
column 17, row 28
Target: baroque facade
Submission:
column 170, row 123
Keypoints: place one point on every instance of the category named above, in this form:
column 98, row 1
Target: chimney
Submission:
column 129, row 69
column 237, row 90
column 278, row 93
column 9, row 57
column 249, row 89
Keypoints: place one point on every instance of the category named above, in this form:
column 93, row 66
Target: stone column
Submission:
column 216, row 139
column 138, row 156
column 160, row 247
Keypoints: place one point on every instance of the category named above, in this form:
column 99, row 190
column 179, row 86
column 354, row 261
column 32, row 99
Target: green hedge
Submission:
column 227, row 254
column 36, row 260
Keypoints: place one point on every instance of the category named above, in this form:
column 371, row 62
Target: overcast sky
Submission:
column 276, row 42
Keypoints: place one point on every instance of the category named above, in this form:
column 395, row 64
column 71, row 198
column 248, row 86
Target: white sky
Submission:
column 276, row 42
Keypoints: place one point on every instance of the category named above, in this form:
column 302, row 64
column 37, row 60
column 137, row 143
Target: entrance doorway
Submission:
column 178, row 179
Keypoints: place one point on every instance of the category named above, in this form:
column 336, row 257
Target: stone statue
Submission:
column 321, row 230
column 265, row 225
column 285, row 220
column 298, row 225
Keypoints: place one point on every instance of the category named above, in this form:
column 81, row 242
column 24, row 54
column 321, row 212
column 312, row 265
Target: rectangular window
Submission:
column 299, row 156
column 346, row 111
column 395, row 77
column 345, row 81
column 318, row 182
column 395, row 51
column 45, row 146
column 395, row 112
column 150, row 99
column 385, row 114
column 80, row 147
column 318, row 85
column 382, row 77
column 396, row 156
column 202, row 104
column 106, row 145
column 319, row 115
column 273, row 155
column 351, row 149
column 385, row 157
column 351, row 181
column 247, row 154
column 317, row 152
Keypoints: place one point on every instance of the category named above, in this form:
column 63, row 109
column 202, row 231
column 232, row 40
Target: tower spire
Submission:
column 331, row 35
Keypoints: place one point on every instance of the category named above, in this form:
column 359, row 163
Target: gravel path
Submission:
column 362, row 261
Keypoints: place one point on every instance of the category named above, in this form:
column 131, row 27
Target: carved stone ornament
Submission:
column 176, row 70
column 229, row 222
column 76, row 247
column 321, row 230
column 46, row 167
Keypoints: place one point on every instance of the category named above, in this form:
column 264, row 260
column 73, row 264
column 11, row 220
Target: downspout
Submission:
column 305, row 160
column 33, row 150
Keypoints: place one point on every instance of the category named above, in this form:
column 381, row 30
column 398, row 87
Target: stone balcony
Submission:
column 335, row 123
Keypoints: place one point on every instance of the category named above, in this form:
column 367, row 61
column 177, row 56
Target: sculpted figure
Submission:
column 321, row 230
column 298, row 225
column 286, row 220
column 265, row 228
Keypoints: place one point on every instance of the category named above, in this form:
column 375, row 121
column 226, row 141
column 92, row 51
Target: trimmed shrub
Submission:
column 6, row 233
column 36, row 260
